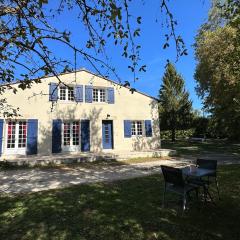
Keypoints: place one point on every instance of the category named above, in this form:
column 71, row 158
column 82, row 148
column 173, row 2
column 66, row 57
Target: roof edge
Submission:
column 87, row 71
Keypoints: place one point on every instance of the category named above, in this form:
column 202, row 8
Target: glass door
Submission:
column 16, row 137
column 107, row 134
column 71, row 136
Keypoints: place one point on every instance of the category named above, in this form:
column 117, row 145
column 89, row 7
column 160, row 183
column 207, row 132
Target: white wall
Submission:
column 34, row 103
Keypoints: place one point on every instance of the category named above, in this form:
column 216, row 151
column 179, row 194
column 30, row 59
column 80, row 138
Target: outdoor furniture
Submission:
column 209, row 165
column 174, row 182
column 195, row 177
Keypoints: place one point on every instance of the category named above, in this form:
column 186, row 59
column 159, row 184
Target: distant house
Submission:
column 89, row 114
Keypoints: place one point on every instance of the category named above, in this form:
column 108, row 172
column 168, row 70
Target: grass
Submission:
column 184, row 147
column 143, row 160
column 124, row 210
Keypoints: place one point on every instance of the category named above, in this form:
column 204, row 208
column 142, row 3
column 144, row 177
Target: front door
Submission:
column 107, row 134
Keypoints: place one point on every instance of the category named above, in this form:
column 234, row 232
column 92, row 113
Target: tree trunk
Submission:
column 173, row 126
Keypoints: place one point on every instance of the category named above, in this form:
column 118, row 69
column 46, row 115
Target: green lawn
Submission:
column 184, row 147
column 129, row 209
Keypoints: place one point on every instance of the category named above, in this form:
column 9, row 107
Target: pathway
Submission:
column 34, row 180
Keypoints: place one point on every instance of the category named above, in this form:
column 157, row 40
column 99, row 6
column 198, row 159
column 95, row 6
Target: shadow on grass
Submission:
column 129, row 209
column 184, row 147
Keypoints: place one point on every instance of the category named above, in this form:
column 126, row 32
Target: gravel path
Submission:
column 34, row 180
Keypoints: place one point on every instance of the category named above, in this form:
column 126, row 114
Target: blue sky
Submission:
column 189, row 15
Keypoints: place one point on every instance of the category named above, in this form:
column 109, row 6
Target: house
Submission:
column 84, row 113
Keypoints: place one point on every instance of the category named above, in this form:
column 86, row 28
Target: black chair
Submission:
column 174, row 182
column 211, row 165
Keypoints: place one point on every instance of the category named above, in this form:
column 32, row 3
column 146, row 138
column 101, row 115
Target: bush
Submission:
column 180, row 134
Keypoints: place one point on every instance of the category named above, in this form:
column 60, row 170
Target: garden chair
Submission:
column 211, row 165
column 174, row 182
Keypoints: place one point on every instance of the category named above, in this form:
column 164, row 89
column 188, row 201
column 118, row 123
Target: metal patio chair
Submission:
column 211, row 165
column 174, row 182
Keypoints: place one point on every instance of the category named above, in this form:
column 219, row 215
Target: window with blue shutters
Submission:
column 56, row 136
column 78, row 93
column 110, row 94
column 88, row 94
column 135, row 128
column 148, row 128
column 53, row 92
column 32, row 136
column 127, row 128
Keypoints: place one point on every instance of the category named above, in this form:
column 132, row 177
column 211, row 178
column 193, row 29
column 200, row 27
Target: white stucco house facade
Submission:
column 85, row 113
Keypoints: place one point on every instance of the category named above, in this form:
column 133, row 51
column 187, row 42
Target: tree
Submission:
column 26, row 32
column 217, row 51
column 175, row 106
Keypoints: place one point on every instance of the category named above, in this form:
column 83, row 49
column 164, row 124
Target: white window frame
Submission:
column 67, row 96
column 135, row 131
column 16, row 150
column 99, row 95
column 71, row 147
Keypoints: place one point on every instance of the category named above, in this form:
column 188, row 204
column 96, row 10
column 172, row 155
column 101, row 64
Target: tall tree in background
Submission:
column 175, row 106
column 217, row 51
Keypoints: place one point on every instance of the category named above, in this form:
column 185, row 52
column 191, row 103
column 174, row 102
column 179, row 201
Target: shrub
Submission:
column 180, row 134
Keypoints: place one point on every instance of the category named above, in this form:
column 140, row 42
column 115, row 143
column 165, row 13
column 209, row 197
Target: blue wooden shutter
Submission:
column 85, row 135
column 88, row 94
column 110, row 94
column 53, row 92
column 57, row 136
column 148, row 128
column 78, row 93
column 1, row 135
column 32, row 136
column 127, row 128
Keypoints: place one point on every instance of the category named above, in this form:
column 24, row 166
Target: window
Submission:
column 137, row 128
column 63, row 93
column 11, row 137
column 16, row 134
column 71, row 133
column 75, row 133
column 99, row 95
column 66, row 93
column 22, row 134
column 66, row 134
column 70, row 94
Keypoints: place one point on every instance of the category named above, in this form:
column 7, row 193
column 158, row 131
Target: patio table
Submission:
column 198, row 173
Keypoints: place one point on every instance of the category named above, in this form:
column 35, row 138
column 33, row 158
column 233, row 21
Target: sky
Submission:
column 189, row 14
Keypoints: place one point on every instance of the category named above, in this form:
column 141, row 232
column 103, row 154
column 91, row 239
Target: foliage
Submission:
column 217, row 50
column 180, row 134
column 175, row 106
column 201, row 125
column 124, row 210
column 218, row 74
column 27, row 34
